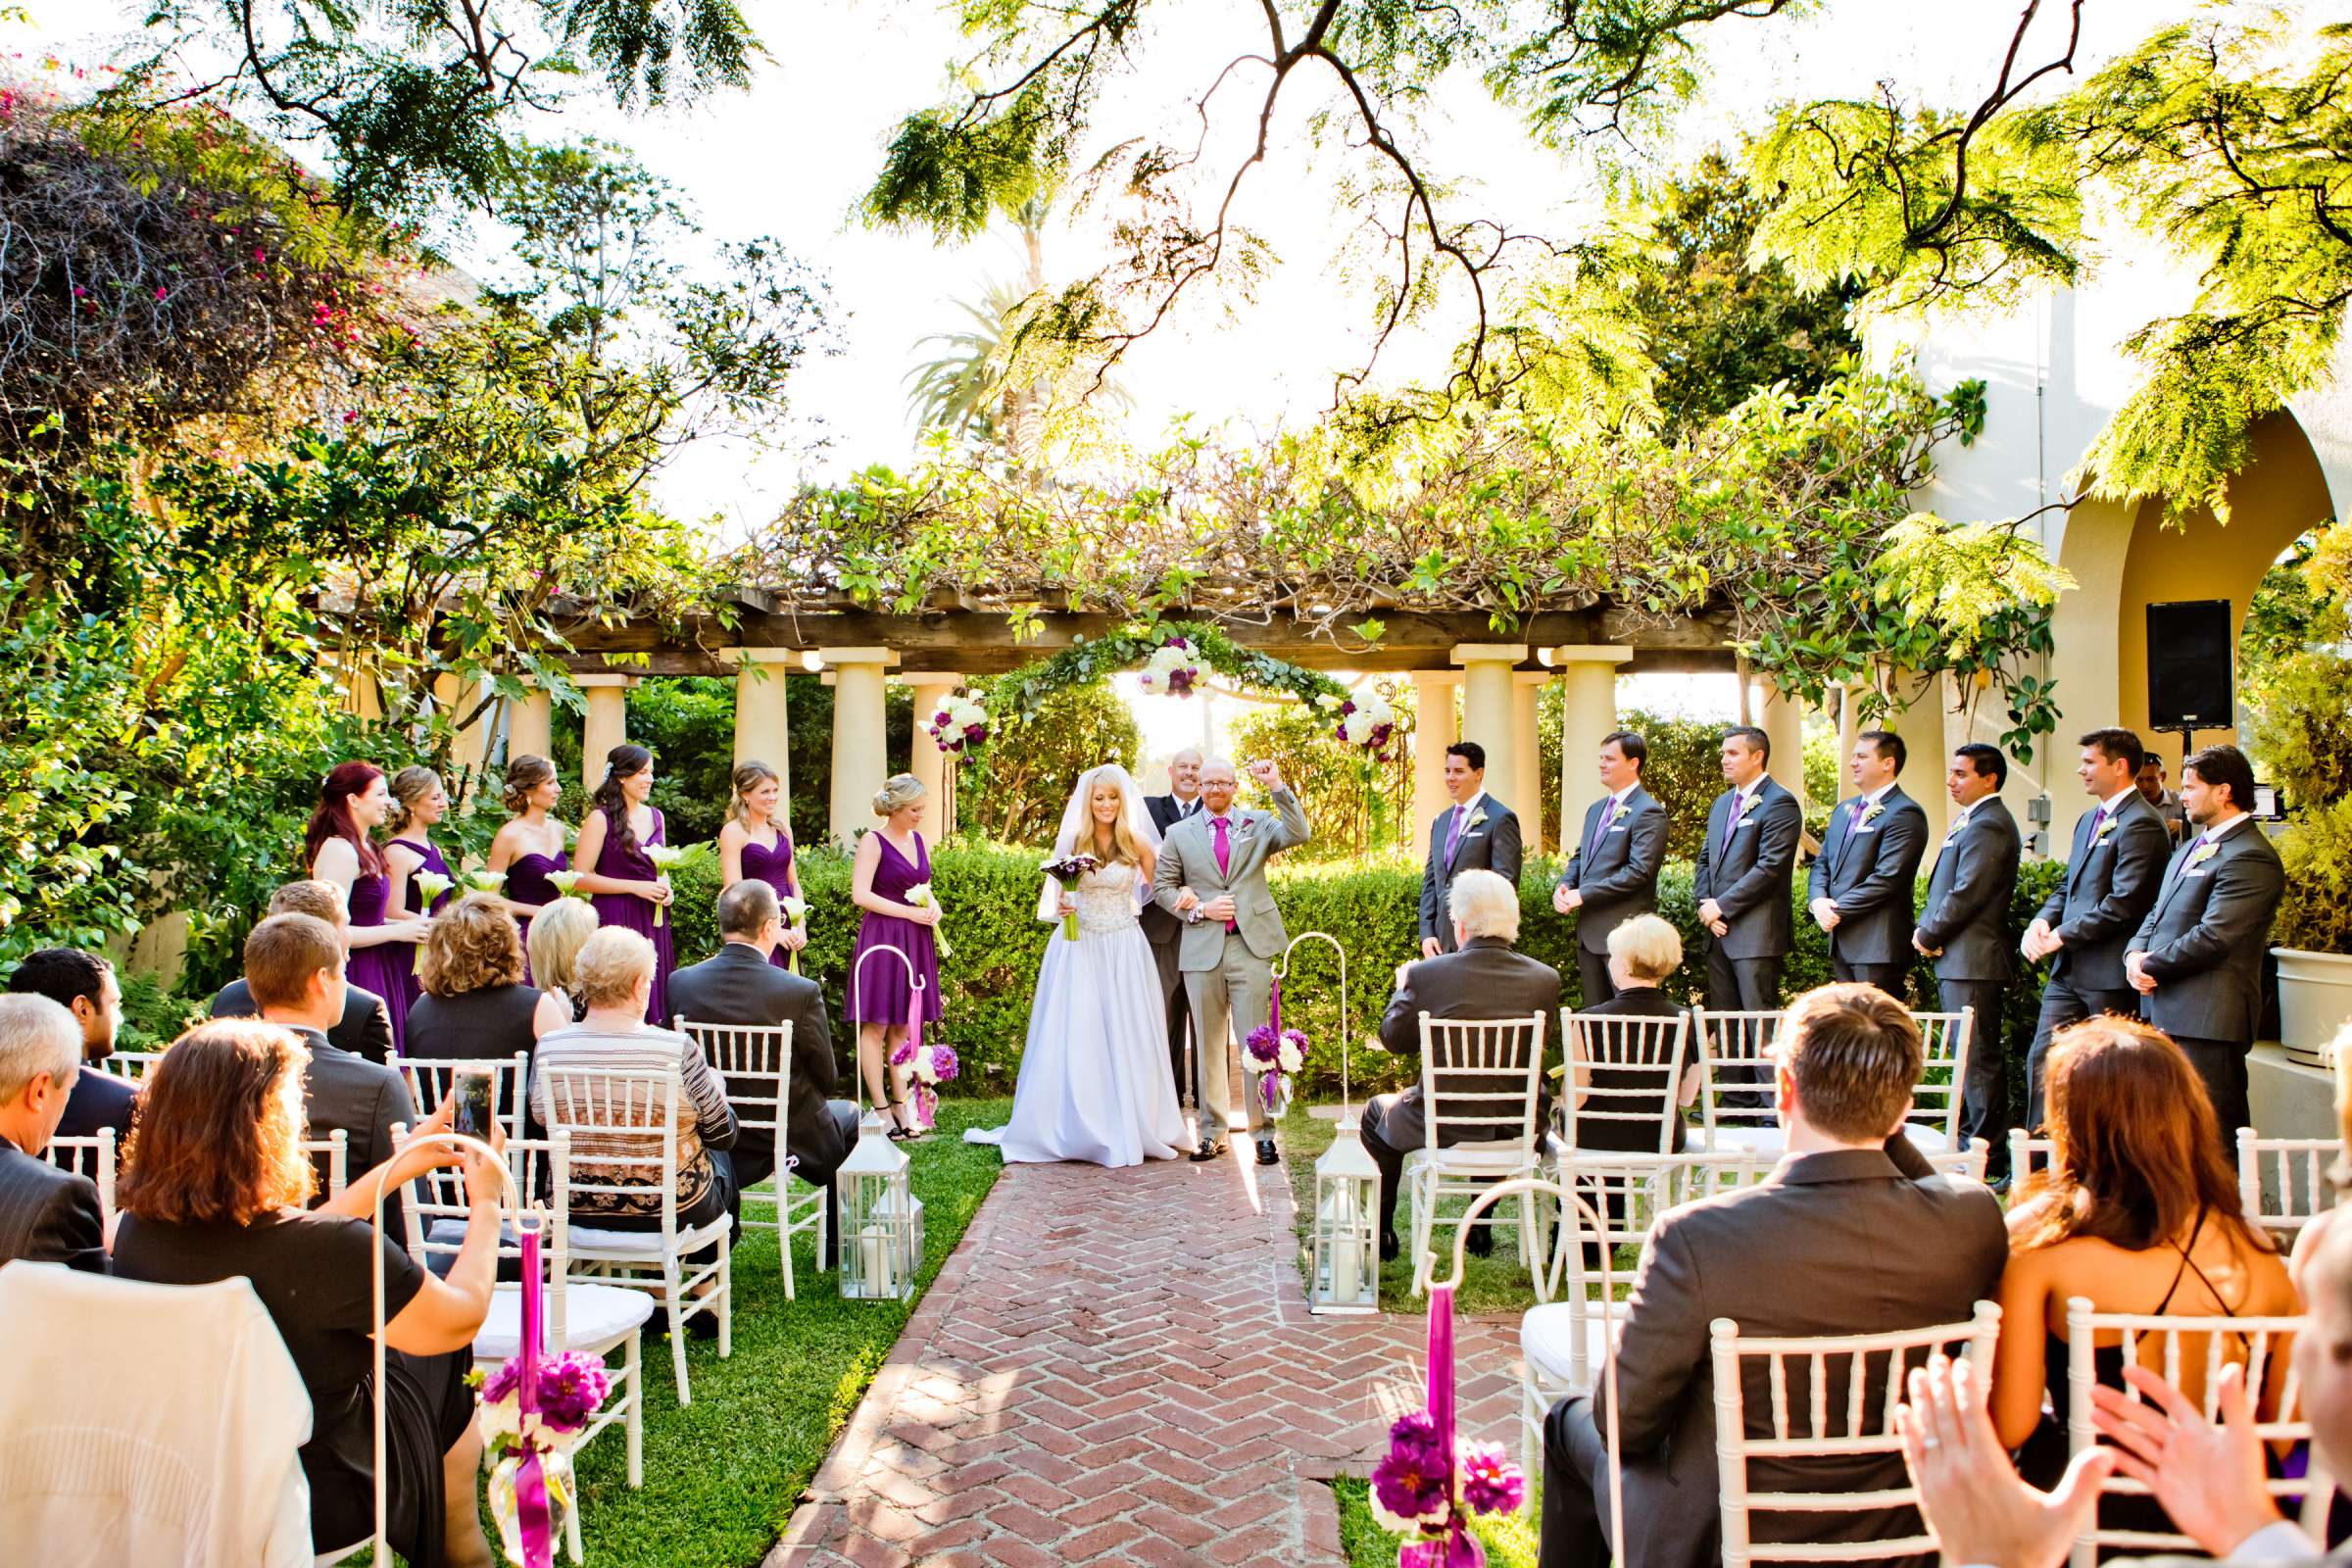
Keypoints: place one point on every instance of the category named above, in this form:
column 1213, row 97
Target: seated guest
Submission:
column 294, row 969
column 1839, row 1240
column 47, row 1215
column 1484, row 979
column 84, row 984
column 366, row 1027
column 2137, row 1212
column 739, row 985
column 617, row 978
column 475, row 1003
column 215, row 1188
column 1643, row 953
column 557, row 933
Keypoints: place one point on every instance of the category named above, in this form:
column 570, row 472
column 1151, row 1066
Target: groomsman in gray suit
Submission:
column 1478, row 832
column 1212, row 875
column 1965, row 931
column 1859, row 890
column 1613, row 875
column 1160, row 927
column 2196, row 960
column 2111, row 879
column 1746, row 869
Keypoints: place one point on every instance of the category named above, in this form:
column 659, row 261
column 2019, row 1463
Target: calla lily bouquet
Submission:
column 1066, row 872
column 430, row 885
column 570, row 1389
column 567, row 883
column 663, row 857
column 795, row 915
column 1275, row 1055
column 921, row 898
column 484, row 880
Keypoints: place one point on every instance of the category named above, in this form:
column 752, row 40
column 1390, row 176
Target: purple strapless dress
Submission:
column 382, row 968
column 773, row 867
column 401, row 956
column 527, row 883
column 878, row 991
column 630, row 912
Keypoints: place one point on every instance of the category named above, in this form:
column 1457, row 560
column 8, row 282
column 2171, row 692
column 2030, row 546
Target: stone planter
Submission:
column 2315, row 1000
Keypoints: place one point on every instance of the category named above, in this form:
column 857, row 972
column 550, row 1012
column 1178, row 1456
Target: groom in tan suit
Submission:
column 1212, row 875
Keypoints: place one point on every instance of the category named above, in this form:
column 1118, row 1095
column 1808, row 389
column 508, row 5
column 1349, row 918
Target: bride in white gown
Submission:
column 1094, row 1082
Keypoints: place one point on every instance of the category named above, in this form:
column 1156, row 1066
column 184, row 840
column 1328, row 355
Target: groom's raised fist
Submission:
column 1268, row 776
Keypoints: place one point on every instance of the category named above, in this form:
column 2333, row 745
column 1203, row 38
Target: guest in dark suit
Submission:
column 1613, row 875
column 2196, row 959
column 84, row 984
column 1965, row 930
column 47, row 1215
column 1746, row 869
column 1860, row 887
column 740, row 985
column 1483, row 978
column 2112, row 875
column 294, row 968
column 366, row 1027
column 1478, row 832
column 1788, row 1256
column 1643, row 954
column 1161, row 928
column 2154, row 791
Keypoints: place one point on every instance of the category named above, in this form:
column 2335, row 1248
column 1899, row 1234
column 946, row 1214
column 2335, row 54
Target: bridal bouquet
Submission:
column 1172, row 669
column 663, row 857
column 1066, row 872
column 959, row 725
column 929, row 1066
column 1367, row 723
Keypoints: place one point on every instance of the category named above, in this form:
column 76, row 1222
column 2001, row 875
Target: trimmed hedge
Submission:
column 990, row 895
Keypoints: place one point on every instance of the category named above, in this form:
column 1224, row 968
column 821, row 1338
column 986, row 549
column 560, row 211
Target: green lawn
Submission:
column 1509, row 1538
column 724, row 1475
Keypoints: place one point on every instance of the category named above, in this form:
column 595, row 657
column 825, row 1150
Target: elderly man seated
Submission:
column 1484, row 979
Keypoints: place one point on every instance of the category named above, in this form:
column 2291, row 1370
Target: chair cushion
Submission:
column 1548, row 1340
column 1475, row 1157
column 595, row 1316
column 1926, row 1139
column 1766, row 1142
column 591, row 1243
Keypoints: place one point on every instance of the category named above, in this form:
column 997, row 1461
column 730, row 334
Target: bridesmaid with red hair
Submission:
column 353, row 800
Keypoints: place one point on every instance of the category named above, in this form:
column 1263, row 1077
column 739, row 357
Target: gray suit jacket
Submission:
column 738, row 985
column 1158, row 925
column 1188, row 859
column 1836, row 1243
column 2206, row 935
column 1868, row 871
column 1489, row 842
column 1620, row 879
column 48, row 1215
column 1749, row 878
column 362, row 1098
column 2110, row 886
column 1485, row 979
column 1968, row 896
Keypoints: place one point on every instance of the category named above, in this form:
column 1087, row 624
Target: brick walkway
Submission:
column 1118, row 1367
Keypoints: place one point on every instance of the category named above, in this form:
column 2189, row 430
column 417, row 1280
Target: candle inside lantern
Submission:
column 880, row 1267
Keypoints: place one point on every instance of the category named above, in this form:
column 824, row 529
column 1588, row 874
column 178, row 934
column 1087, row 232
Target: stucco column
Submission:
column 762, row 717
column 470, row 748
column 861, row 761
column 530, row 725
column 607, row 723
column 1920, row 723
column 1434, row 729
column 1588, row 713
column 1527, row 782
column 1783, row 721
column 1849, row 724
column 932, row 765
column 1488, row 697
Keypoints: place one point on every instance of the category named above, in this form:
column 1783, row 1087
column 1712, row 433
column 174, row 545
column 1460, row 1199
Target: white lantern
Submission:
column 881, row 1224
column 1346, row 1280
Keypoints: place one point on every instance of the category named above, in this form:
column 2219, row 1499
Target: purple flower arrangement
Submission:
column 1172, row 669
column 932, row 1065
column 1368, row 723
column 1415, row 1492
column 1275, row 1055
column 572, row 1388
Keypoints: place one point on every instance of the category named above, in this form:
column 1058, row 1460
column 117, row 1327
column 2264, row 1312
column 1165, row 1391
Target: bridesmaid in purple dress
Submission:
column 627, row 888
column 531, row 843
column 889, row 864
column 418, row 801
column 352, row 800
column 754, row 844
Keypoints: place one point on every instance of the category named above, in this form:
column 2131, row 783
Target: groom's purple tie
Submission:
column 1738, row 805
column 1224, row 849
column 1454, row 834
column 1600, row 825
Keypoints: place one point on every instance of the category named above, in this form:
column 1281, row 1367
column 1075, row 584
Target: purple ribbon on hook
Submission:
column 530, row 1479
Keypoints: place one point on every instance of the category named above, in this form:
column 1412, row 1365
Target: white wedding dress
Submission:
column 1094, row 1081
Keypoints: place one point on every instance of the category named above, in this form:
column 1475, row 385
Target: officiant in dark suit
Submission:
column 1613, row 875
column 1965, row 929
column 1160, row 927
column 1476, row 833
column 1746, row 869
column 1859, row 890
column 739, row 985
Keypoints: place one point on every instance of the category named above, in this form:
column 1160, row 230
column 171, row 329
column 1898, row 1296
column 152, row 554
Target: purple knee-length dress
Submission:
column 878, row 991
column 383, row 968
column 773, row 867
column 630, row 912
column 401, row 956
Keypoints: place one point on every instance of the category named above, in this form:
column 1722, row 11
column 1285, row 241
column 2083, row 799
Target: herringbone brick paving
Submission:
column 1118, row 1368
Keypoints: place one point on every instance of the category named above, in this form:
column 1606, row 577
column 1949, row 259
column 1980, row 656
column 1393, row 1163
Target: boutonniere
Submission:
column 1872, row 812
column 1243, row 825
column 2106, row 831
column 2203, row 853
column 1477, row 819
column 1619, row 815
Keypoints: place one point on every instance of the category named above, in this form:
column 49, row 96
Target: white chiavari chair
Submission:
column 1479, row 1078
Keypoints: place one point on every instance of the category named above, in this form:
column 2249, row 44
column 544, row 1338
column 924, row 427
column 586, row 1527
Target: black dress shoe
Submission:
column 1390, row 1249
column 1265, row 1153
column 1481, row 1242
column 703, row 1326
column 1208, row 1150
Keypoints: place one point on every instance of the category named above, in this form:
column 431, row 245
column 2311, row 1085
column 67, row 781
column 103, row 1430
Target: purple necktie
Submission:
column 2097, row 823
column 1454, row 835
column 1600, row 825
column 1224, row 855
column 1738, row 808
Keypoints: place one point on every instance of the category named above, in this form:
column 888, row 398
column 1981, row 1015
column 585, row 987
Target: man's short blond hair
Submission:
column 1649, row 947
column 612, row 962
column 1485, row 905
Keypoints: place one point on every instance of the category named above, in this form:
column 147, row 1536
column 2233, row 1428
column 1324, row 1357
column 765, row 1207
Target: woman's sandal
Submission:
column 899, row 1132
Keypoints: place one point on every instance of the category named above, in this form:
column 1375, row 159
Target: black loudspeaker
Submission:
column 2189, row 684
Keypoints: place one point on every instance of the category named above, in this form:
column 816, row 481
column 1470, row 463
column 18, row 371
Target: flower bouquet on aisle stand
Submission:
column 533, row 1409
column 1432, row 1484
column 1067, row 871
column 795, row 915
column 1277, row 1055
column 929, row 1066
column 663, row 857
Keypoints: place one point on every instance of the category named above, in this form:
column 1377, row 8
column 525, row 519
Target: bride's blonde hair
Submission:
column 1124, row 848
